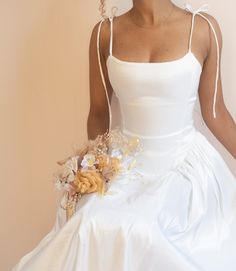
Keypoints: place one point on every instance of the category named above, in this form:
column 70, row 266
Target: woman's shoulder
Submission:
column 101, row 31
column 209, row 27
column 104, row 26
column 207, row 19
column 202, row 19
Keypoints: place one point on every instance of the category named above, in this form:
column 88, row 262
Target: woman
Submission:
column 180, row 215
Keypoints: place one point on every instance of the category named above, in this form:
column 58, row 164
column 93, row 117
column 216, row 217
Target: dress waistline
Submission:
column 181, row 131
column 161, row 153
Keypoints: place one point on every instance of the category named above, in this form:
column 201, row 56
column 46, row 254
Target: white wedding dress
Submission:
column 178, row 213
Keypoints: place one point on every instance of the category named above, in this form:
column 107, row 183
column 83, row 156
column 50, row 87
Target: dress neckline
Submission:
column 189, row 53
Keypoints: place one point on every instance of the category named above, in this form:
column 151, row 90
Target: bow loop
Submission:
column 189, row 7
column 113, row 11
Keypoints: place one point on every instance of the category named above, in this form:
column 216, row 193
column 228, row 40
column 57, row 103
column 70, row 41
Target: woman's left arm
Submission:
column 223, row 126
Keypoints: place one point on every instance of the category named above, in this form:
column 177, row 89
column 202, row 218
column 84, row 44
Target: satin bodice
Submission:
column 155, row 98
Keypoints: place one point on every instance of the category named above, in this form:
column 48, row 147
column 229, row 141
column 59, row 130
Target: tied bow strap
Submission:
column 204, row 8
column 113, row 14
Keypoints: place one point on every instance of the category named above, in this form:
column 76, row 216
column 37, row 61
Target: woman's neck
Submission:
column 151, row 12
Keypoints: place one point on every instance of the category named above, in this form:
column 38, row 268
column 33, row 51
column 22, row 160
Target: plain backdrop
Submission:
column 44, row 102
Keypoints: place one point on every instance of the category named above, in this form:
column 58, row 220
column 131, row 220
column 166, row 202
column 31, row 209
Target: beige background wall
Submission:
column 44, row 102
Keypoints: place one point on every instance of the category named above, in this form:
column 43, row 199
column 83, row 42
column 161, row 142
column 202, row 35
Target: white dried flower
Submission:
column 72, row 163
column 58, row 184
column 116, row 153
column 89, row 160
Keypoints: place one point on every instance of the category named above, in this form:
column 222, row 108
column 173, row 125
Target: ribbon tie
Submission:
column 204, row 8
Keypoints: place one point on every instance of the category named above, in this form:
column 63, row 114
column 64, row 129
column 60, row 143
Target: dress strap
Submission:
column 111, row 35
column 197, row 11
column 191, row 34
column 113, row 12
column 101, row 72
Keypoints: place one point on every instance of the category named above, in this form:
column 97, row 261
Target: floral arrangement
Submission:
column 93, row 166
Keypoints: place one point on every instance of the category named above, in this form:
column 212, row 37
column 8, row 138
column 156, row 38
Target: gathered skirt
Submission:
column 175, row 211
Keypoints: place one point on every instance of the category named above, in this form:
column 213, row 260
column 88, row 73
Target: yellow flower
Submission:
column 88, row 181
column 103, row 161
column 115, row 164
column 108, row 166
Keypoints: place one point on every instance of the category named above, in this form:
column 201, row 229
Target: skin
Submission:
column 161, row 41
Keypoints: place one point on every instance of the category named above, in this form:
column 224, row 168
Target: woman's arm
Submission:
column 98, row 118
column 223, row 126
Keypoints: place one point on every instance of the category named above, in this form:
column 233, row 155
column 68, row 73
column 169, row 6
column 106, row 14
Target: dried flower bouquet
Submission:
column 93, row 166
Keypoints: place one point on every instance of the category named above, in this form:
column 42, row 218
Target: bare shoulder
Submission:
column 120, row 25
column 104, row 33
column 104, row 27
column 210, row 18
column 203, row 26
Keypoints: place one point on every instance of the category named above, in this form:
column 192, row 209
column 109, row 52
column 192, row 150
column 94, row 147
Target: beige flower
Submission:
column 115, row 164
column 103, row 161
column 88, row 160
column 109, row 166
column 88, row 181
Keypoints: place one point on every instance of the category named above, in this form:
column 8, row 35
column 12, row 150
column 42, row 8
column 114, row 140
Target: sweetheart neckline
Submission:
column 156, row 63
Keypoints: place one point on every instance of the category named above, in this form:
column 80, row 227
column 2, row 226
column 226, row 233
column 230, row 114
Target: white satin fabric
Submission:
column 175, row 211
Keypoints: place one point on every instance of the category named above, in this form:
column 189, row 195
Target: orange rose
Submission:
column 89, row 181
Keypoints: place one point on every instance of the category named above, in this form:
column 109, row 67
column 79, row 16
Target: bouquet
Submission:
column 94, row 166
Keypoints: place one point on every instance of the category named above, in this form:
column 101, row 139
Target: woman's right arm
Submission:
column 98, row 117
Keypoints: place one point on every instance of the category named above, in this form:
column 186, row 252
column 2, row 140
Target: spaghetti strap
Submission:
column 191, row 34
column 197, row 11
column 113, row 11
column 102, row 75
column 111, row 35
column 113, row 14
